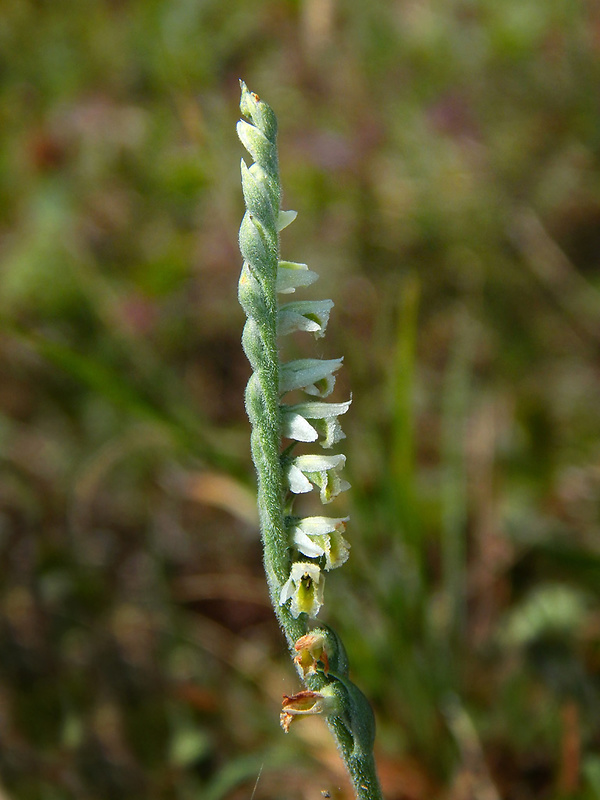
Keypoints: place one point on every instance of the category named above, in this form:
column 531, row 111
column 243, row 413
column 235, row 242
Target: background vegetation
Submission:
column 444, row 157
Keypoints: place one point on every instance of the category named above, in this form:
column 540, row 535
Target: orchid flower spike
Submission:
column 296, row 584
column 298, row 551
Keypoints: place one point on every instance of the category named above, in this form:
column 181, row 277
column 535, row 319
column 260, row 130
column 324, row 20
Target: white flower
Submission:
column 325, row 416
column 305, row 589
column 313, row 375
column 322, row 536
column 304, row 315
column 291, row 275
column 322, row 471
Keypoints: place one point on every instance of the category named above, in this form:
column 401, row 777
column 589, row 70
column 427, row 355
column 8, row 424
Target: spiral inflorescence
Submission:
column 298, row 551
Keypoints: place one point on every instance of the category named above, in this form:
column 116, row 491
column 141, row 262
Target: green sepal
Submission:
column 254, row 140
column 251, row 294
column 259, row 248
column 257, row 199
column 358, row 715
column 252, row 344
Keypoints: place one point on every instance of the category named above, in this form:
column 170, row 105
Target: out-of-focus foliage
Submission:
column 444, row 157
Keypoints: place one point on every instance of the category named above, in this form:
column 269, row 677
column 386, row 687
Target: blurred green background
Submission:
column 444, row 158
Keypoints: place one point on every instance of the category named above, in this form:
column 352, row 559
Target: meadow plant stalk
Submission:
column 297, row 551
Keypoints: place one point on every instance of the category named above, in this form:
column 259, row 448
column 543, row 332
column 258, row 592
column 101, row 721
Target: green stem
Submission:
column 361, row 769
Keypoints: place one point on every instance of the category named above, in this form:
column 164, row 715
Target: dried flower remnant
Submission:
column 310, row 649
column 309, row 703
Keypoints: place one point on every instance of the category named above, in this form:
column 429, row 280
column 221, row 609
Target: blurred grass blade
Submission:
column 245, row 769
column 402, row 459
column 100, row 378
column 454, row 480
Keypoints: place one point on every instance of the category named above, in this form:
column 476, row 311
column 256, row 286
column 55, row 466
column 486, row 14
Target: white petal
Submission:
column 343, row 486
column 325, row 414
column 306, row 545
column 314, row 375
column 297, row 481
column 318, row 583
column 322, row 472
column 316, row 526
column 318, row 601
column 291, row 275
column 294, row 426
column 310, row 463
column 304, row 315
column 313, row 409
column 301, row 568
column 333, row 433
column 289, row 321
column 285, row 217
column 287, row 590
column 338, row 551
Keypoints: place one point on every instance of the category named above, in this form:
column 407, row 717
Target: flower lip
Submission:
column 304, row 588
